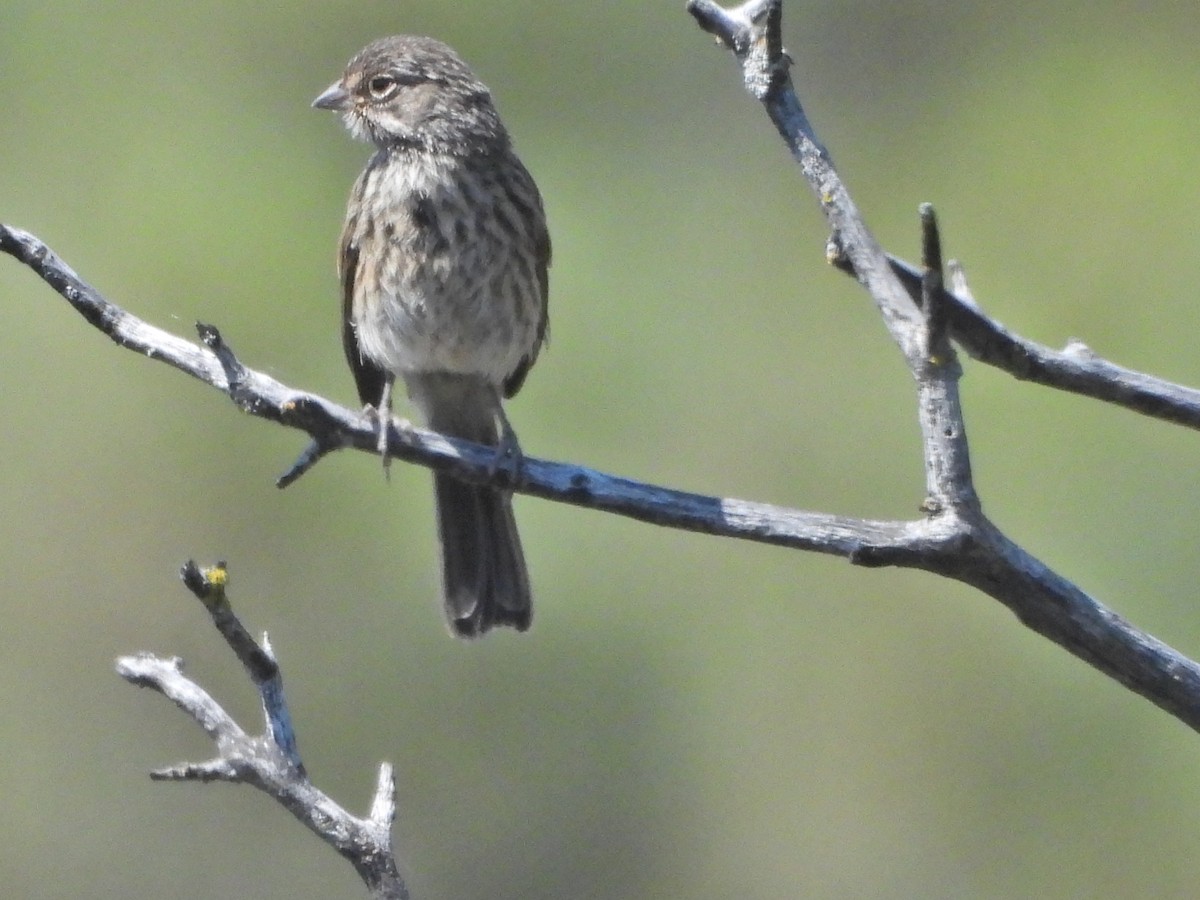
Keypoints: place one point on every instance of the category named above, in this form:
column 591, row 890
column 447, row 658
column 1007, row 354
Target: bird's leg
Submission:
column 508, row 450
column 383, row 415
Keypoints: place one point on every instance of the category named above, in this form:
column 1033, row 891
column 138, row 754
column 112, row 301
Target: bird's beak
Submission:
column 335, row 97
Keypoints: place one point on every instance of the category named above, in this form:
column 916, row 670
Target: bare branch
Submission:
column 1074, row 369
column 269, row 761
column 915, row 308
column 948, row 481
column 753, row 32
column 746, row 29
column 333, row 427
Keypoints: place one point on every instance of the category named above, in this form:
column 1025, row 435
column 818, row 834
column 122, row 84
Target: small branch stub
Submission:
column 938, row 350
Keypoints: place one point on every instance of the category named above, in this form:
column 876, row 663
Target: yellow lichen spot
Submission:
column 217, row 576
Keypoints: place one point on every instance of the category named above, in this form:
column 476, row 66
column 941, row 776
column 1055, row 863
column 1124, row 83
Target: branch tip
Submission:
column 774, row 32
column 210, row 336
column 931, row 241
column 145, row 669
column 207, row 584
column 218, row 769
column 960, row 286
column 383, row 805
column 312, row 454
column 936, row 340
column 740, row 27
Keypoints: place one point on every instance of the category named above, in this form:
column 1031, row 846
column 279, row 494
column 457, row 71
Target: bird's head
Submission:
column 415, row 93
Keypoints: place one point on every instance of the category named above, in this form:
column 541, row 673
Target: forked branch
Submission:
column 920, row 313
column 269, row 761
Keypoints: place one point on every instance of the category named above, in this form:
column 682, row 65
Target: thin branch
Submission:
column 948, row 479
column 1075, row 369
column 269, row 761
column 937, row 343
column 746, row 29
column 257, row 659
column 332, row 427
column 753, row 32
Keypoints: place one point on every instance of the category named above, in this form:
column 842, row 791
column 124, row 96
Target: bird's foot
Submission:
column 383, row 423
column 508, row 458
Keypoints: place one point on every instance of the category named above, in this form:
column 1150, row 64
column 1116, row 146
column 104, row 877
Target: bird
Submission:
column 443, row 262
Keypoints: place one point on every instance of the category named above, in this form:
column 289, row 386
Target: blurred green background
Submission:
column 690, row 717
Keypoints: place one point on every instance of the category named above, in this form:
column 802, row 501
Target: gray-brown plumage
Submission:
column 443, row 266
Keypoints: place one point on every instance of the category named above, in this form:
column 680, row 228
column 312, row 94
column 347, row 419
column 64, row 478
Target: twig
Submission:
column 1074, row 369
column 269, row 761
column 948, row 480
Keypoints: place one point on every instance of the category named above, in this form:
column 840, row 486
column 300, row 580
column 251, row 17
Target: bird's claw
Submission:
column 383, row 423
column 508, row 457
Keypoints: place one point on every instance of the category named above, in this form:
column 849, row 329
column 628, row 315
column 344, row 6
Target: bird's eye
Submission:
column 381, row 87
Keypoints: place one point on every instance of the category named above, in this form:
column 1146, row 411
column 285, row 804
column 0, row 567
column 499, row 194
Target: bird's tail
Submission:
column 484, row 579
